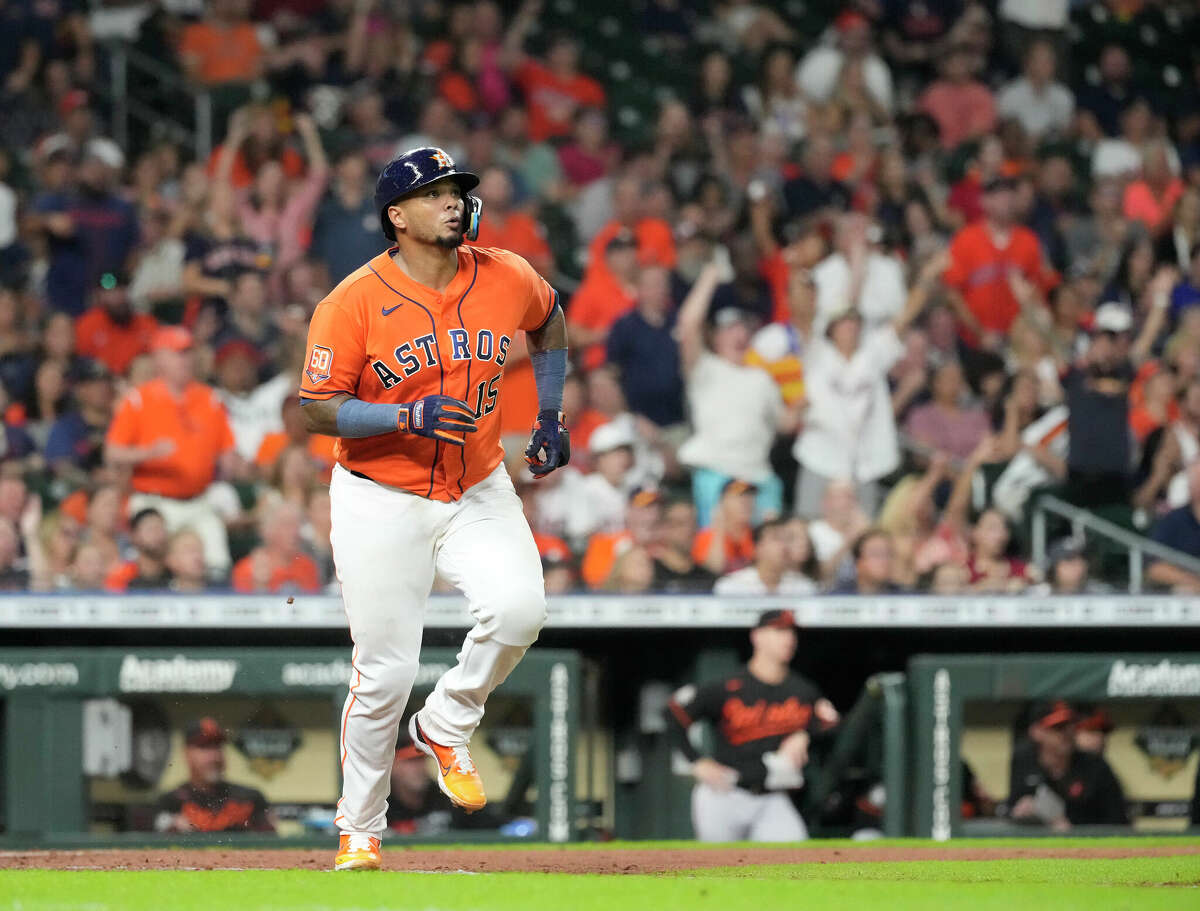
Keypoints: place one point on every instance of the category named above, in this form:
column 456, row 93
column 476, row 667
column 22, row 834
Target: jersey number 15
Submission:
column 485, row 396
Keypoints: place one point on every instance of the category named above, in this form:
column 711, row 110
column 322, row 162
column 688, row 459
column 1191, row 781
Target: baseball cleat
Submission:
column 358, row 852
column 456, row 772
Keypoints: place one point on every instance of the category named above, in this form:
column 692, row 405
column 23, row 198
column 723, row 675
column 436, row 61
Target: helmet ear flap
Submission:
column 473, row 209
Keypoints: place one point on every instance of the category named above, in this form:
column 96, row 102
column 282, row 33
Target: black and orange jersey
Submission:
column 749, row 718
column 383, row 337
column 224, row 807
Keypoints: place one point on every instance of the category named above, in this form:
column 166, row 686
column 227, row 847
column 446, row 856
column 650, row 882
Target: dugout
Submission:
column 92, row 736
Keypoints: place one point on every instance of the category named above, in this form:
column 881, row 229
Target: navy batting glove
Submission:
column 437, row 417
column 549, row 446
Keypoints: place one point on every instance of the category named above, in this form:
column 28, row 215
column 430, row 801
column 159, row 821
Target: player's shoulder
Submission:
column 499, row 260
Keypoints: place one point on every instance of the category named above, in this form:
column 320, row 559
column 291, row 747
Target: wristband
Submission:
column 356, row 418
column 549, row 373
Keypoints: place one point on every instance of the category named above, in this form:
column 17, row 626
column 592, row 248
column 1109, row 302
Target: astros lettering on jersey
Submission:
column 383, row 337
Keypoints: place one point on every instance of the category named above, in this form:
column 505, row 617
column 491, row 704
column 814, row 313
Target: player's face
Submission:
column 434, row 214
column 206, row 763
column 778, row 645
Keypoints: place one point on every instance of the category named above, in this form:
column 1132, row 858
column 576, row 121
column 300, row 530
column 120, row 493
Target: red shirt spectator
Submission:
column 555, row 91
column 110, row 331
column 984, row 253
column 963, row 108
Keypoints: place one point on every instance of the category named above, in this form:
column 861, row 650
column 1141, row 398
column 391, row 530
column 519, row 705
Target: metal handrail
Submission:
column 1138, row 546
column 125, row 57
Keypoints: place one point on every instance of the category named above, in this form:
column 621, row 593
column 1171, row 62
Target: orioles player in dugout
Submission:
column 404, row 365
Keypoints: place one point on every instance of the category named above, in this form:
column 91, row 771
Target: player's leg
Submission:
column 720, row 815
column 777, row 819
column 488, row 553
column 383, row 550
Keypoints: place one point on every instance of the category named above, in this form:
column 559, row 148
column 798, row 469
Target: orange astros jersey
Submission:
column 383, row 337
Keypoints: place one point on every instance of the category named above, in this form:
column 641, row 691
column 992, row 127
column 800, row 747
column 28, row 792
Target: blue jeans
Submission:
column 706, row 492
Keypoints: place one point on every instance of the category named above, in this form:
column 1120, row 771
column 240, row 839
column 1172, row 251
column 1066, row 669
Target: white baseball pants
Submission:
column 739, row 815
column 387, row 546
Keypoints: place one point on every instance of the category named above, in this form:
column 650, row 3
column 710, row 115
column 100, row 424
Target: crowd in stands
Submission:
column 847, row 282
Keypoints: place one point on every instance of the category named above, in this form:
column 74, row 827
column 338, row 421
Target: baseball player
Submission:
column 763, row 719
column 404, row 365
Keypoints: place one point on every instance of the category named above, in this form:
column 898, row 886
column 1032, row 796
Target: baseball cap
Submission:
column 738, row 487
column 1052, row 714
column 235, row 347
column 1112, row 317
column 1065, row 549
column 204, row 732
column 171, row 338
column 610, row 436
column 776, row 619
column 84, row 370
column 1095, row 720
column 622, row 240
column 995, row 184
column 850, row 19
column 643, row 496
column 115, row 278
column 727, row 316
column 404, row 746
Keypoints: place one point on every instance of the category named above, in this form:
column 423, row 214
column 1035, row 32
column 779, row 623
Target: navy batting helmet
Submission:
column 413, row 170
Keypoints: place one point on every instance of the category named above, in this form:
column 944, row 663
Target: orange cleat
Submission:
column 358, row 852
column 456, row 772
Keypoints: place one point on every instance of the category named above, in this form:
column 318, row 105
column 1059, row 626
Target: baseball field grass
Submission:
column 1086, row 874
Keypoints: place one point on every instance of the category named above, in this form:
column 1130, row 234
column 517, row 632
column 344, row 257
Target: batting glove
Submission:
column 437, row 417
column 549, row 446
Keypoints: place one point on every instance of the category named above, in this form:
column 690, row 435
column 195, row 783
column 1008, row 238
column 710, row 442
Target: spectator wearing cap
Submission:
column 1180, row 529
column 872, row 554
column 75, row 445
column 675, row 569
column 726, row 544
column 826, row 66
column 1042, row 105
column 641, row 345
column 848, row 429
column 173, row 436
column 278, row 564
column 603, row 296
column 88, row 231
column 148, row 568
column 652, row 235
column 206, row 802
column 253, row 408
column 772, row 572
column 110, row 331
column 1099, row 455
column 982, row 256
column 607, row 488
column 1054, row 784
column 735, row 409
column 641, row 527
column 1067, row 571
column 858, row 275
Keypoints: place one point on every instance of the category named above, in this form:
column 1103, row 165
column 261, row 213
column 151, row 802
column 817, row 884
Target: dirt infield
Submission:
column 552, row 860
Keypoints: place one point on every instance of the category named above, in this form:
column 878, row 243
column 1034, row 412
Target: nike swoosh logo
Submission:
column 389, row 310
column 445, row 768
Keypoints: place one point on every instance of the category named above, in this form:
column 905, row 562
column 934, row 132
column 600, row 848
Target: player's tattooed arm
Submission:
column 552, row 335
column 320, row 415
